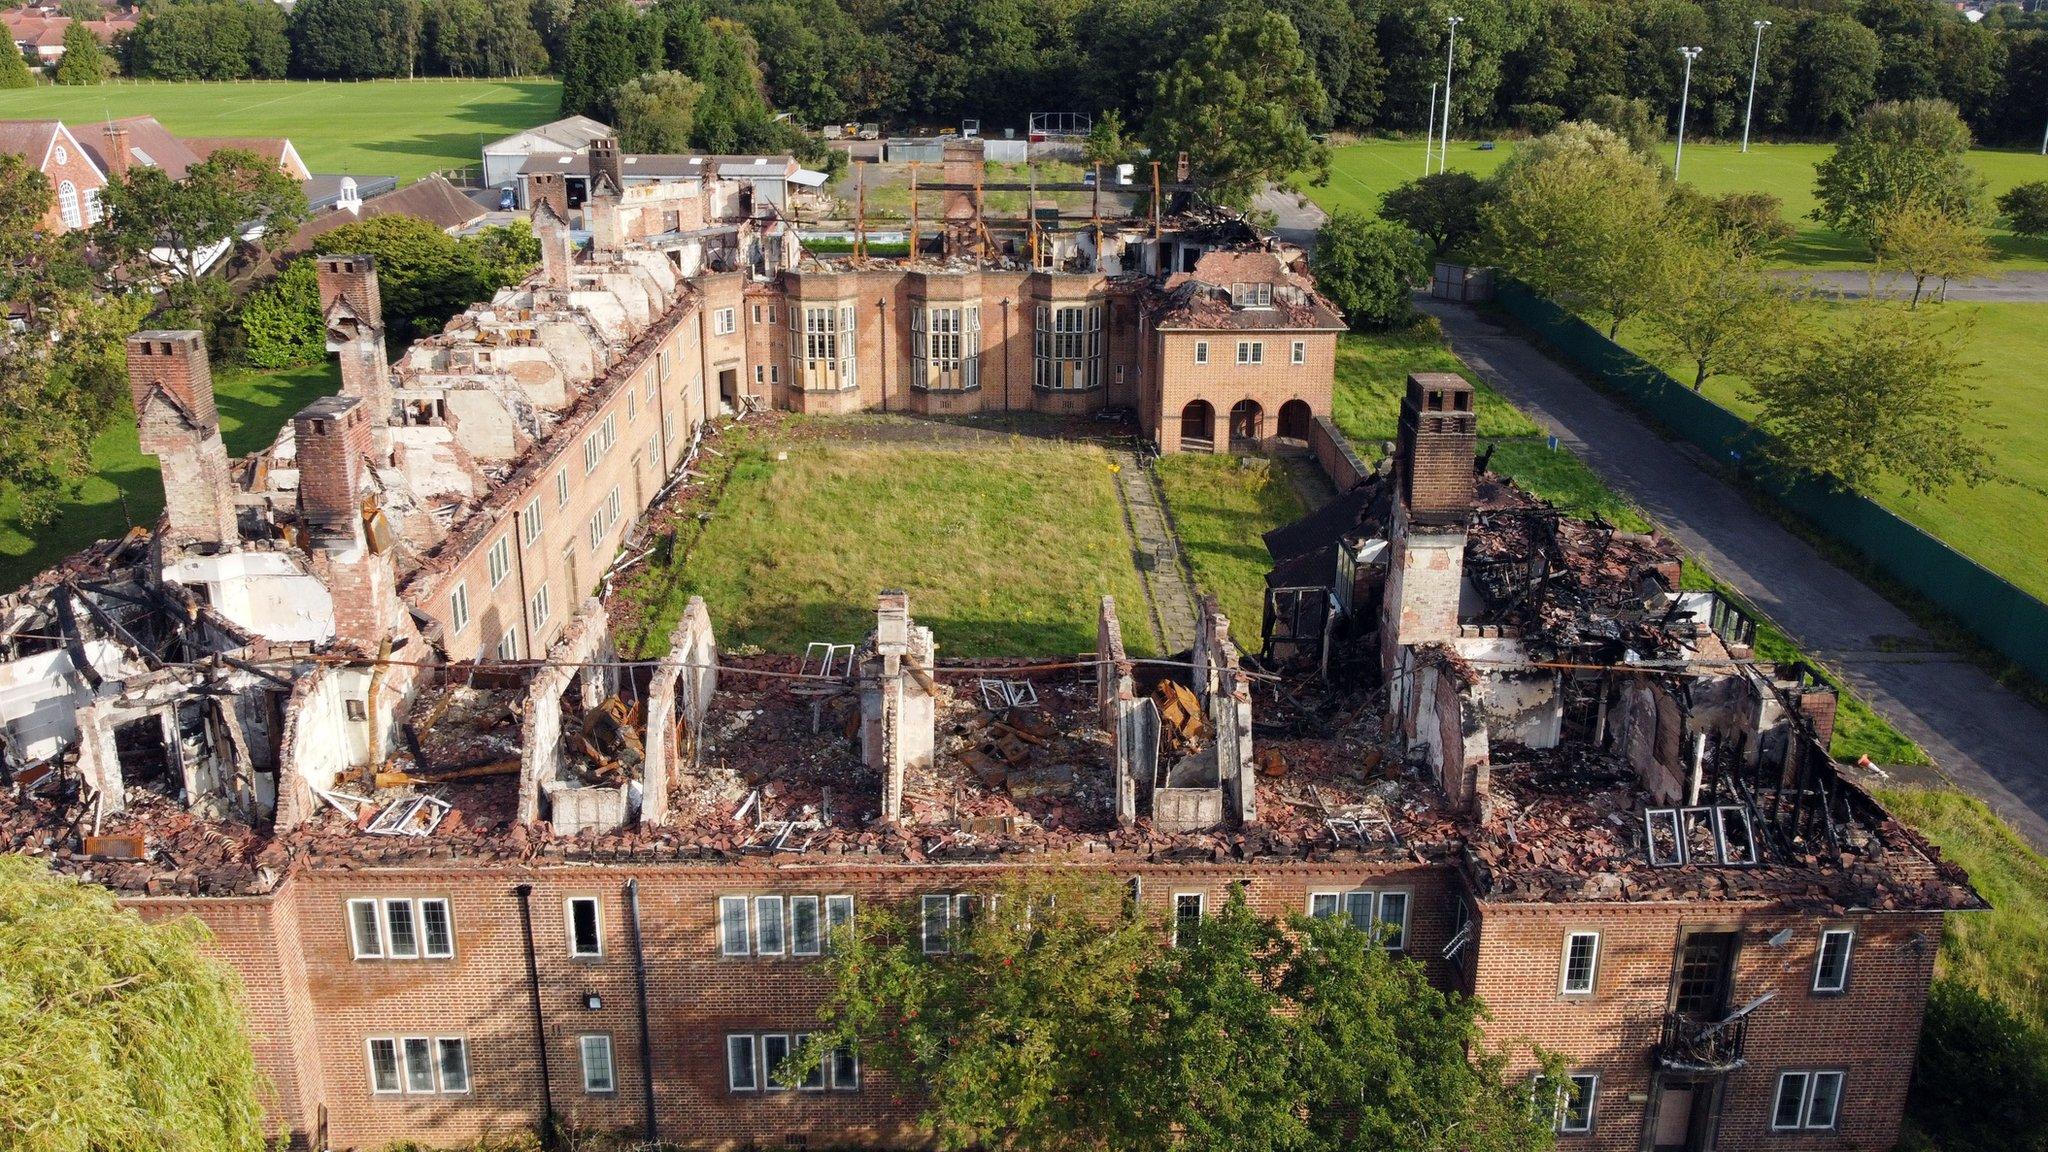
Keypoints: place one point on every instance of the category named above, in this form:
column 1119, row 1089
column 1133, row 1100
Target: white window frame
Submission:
column 426, row 937
column 1297, row 353
column 1201, row 351
column 1778, row 1102
column 562, row 488
column 397, row 1065
column 853, row 1059
column 944, row 905
column 769, row 1083
column 440, row 1051
column 538, row 607
column 68, row 205
column 530, row 523
column 814, row 1080
column 433, row 1069
column 1563, row 1124
column 375, row 951
column 723, row 322
column 817, row 913
column 603, row 1043
column 508, row 643
column 1251, row 352
column 838, row 914
column 725, row 940
column 499, row 560
column 596, row 927
column 1813, row 1080
column 736, row 1042
column 762, row 904
column 412, row 921
column 458, row 608
column 1565, row 987
column 1820, row 959
column 1201, row 912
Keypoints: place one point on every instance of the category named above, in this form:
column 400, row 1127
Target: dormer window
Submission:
column 1245, row 295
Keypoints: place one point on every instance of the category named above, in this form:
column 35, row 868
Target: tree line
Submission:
column 1520, row 65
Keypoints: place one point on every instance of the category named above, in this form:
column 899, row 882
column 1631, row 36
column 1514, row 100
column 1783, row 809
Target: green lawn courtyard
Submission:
column 1222, row 506
column 1360, row 173
column 402, row 128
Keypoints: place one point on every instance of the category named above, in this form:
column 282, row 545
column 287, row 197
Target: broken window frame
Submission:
column 762, row 907
column 1180, row 912
column 507, row 648
column 1748, row 832
column 1704, row 818
column 1566, row 984
column 740, row 1061
column 797, row 944
column 572, row 933
column 608, row 1083
column 1839, row 984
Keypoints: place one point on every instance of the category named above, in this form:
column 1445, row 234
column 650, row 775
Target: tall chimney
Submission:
column 1439, row 435
column 556, row 253
column 120, row 154
column 353, row 311
column 898, row 700
column 332, row 437
column 605, row 165
column 171, row 382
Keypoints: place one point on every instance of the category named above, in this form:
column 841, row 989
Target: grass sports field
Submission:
column 1361, row 173
column 402, row 128
column 1997, row 522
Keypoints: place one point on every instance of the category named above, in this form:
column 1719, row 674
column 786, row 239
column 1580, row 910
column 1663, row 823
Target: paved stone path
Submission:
column 1990, row 741
column 1167, row 584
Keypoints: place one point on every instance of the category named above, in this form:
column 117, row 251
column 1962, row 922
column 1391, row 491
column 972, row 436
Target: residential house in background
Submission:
column 75, row 180
column 39, row 32
column 432, row 199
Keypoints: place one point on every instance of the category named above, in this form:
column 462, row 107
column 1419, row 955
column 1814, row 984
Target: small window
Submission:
column 419, row 1065
column 838, row 914
column 500, row 560
column 539, row 607
column 739, row 1064
column 805, row 938
column 632, row 405
column 530, row 523
column 400, row 936
column 732, row 925
column 383, row 1065
column 937, row 910
column 1297, row 352
column 1251, row 352
column 454, row 1054
column 768, row 926
column 1831, row 969
column 1187, row 916
column 1201, row 351
column 458, row 608
column 1824, row 1103
column 1581, row 959
column 561, row 488
column 365, row 938
column 1393, row 922
column 1358, row 909
column 845, row 1070
column 1790, row 1109
column 722, row 322
column 814, row 1077
column 585, row 937
column 440, row 934
column 1322, row 905
column 1575, row 1100
column 966, row 910
column 774, row 1054
column 508, row 644
column 597, row 1064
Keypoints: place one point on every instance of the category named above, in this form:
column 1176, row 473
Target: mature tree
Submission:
column 2025, row 208
column 808, row 51
column 1632, row 120
column 355, row 39
column 1924, row 242
column 82, row 9
column 732, row 115
column 14, row 71
column 1909, row 151
column 1581, row 217
column 608, row 45
column 61, row 373
column 1970, row 1040
column 1238, row 103
column 1443, row 207
column 426, row 275
column 1062, row 1024
column 281, row 323
column 1367, row 268
column 657, row 112
column 681, row 39
column 210, row 40
column 1881, row 395
column 1755, row 221
column 177, row 229
column 1720, row 305
column 482, row 38
column 122, row 1035
column 1344, row 54
column 84, row 62
column 1834, row 72
column 1108, row 143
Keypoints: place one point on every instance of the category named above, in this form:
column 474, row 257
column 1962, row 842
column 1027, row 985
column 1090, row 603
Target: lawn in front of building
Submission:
column 402, row 128
column 127, row 488
column 1222, row 508
column 1361, row 173
column 1006, row 546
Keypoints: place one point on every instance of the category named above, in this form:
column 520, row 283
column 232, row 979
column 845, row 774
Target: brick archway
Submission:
column 1247, row 425
column 1295, row 419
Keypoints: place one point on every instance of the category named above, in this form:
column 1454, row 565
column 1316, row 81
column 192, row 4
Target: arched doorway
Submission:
column 1247, row 426
column 1295, row 420
column 1198, row 427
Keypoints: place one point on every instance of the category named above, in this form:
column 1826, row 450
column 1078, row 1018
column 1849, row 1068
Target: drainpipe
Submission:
column 540, row 1029
column 1006, row 354
column 640, row 984
column 882, row 307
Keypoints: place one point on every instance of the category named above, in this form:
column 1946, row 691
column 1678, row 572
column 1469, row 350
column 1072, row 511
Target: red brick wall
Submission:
column 76, row 168
column 1223, row 382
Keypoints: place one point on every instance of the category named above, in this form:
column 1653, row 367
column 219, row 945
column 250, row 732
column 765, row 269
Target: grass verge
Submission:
column 1222, row 506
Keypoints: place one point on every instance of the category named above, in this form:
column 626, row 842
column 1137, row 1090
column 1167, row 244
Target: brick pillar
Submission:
column 899, row 705
column 353, row 310
column 1439, row 435
column 551, row 226
column 171, row 382
column 333, row 437
column 962, row 160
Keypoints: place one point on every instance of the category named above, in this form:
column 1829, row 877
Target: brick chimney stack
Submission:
column 353, row 311
column 1439, row 436
column 120, row 154
column 551, row 227
column 898, row 699
column 333, row 437
column 605, row 165
column 961, row 162
column 171, row 382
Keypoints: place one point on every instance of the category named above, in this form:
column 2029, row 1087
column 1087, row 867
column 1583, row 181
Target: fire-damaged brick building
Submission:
column 356, row 704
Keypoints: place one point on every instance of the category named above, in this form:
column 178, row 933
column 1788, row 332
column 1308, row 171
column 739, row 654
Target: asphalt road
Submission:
column 1988, row 740
column 2009, row 287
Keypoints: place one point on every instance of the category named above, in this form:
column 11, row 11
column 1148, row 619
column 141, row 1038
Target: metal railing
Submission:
column 1689, row 1044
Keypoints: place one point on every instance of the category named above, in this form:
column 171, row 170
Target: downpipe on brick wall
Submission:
column 640, row 985
column 540, row 1027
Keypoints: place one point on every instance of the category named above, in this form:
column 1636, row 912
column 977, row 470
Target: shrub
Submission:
column 2025, row 208
column 281, row 322
column 1366, row 268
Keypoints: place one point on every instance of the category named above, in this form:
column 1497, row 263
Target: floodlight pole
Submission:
column 1756, row 55
column 1684, row 95
column 1429, row 131
column 1444, row 158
